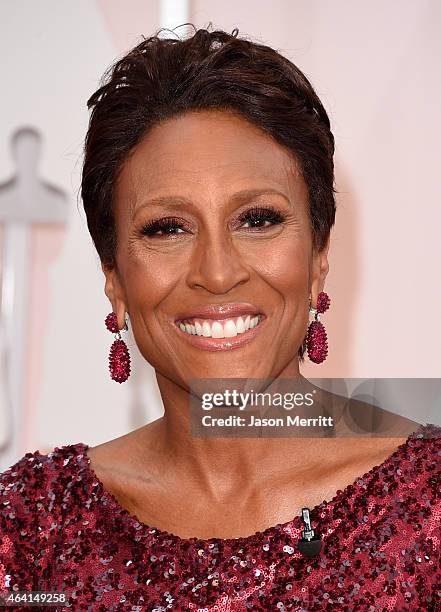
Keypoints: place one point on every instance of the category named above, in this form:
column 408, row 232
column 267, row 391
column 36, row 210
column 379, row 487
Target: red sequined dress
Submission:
column 61, row 531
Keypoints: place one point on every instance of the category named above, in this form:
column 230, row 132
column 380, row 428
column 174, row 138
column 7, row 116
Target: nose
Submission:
column 216, row 265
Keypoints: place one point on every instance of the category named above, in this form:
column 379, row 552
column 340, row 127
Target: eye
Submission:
column 259, row 215
column 163, row 227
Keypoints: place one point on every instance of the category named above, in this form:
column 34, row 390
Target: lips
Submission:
column 218, row 312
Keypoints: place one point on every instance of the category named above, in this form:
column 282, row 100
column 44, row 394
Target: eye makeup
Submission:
column 255, row 216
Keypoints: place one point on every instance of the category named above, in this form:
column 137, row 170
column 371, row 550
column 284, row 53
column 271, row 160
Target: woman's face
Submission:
column 211, row 211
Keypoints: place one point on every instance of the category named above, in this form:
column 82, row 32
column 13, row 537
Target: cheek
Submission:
column 284, row 263
column 149, row 277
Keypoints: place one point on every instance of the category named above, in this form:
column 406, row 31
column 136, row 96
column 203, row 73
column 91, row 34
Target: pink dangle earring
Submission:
column 316, row 339
column 119, row 358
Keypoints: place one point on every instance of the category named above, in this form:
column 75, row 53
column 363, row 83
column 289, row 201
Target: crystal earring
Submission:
column 316, row 339
column 119, row 358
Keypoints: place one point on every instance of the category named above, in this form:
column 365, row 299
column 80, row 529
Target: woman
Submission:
column 208, row 189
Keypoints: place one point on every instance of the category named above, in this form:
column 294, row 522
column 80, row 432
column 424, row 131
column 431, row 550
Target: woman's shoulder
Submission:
column 32, row 483
column 412, row 473
column 35, row 498
column 425, row 442
column 34, row 473
column 419, row 457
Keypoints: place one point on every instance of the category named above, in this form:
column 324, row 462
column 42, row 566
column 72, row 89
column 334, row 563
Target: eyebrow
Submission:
column 237, row 198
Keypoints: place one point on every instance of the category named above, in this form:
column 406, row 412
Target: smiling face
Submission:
column 212, row 211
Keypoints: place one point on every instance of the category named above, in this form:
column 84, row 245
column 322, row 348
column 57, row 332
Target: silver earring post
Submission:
column 313, row 311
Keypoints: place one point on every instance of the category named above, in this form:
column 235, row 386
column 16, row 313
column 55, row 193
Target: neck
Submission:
column 228, row 462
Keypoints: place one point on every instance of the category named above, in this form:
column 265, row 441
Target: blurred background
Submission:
column 373, row 64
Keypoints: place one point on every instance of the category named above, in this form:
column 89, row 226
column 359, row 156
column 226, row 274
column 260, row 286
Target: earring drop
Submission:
column 119, row 358
column 316, row 339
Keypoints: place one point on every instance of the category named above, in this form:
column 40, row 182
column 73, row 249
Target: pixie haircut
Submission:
column 162, row 78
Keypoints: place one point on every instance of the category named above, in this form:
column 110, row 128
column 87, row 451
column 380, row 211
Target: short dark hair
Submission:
column 165, row 77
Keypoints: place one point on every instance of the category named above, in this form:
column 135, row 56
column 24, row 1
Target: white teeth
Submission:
column 228, row 328
column 240, row 326
column 254, row 322
column 206, row 329
column 217, row 331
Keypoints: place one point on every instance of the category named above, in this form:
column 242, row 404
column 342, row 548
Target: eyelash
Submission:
column 252, row 215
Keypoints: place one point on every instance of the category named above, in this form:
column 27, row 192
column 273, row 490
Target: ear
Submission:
column 320, row 270
column 114, row 290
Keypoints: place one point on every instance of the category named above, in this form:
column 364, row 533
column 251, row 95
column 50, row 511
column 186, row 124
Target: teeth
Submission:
column 217, row 331
column 206, row 329
column 228, row 328
column 240, row 325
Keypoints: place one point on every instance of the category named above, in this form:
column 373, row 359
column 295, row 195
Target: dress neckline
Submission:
column 324, row 508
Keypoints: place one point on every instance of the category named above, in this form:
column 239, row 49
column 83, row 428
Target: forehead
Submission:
column 213, row 152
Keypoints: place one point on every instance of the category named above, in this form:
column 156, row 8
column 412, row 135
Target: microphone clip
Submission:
column 310, row 544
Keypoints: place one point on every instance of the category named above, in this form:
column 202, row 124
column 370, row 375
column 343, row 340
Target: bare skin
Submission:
column 216, row 487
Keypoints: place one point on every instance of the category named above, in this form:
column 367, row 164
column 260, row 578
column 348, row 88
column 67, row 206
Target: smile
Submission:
column 221, row 327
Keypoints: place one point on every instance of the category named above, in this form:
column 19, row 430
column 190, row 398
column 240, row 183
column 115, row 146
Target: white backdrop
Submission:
column 375, row 66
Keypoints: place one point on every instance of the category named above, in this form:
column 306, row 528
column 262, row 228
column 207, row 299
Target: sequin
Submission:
column 61, row 530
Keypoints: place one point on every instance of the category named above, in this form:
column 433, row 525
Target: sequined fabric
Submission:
column 60, row 530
